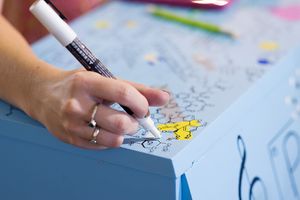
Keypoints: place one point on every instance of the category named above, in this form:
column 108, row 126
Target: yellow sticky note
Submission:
column 269, row 46
column 102, row 24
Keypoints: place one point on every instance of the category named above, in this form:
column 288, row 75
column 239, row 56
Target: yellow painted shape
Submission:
column 166, row 127
column 131, row 24
column 102, row 24
column 269, row 46
column 181, row 129
column 183, row 134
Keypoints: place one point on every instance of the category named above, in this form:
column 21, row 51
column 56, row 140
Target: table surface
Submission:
column 205, row 72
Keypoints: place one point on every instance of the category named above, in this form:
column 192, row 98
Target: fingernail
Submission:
column 166, row 91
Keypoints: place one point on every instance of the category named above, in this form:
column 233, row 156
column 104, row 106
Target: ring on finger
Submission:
column 93, row 122
column 94, row 135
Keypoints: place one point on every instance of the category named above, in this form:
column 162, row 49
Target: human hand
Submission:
column 64, row 104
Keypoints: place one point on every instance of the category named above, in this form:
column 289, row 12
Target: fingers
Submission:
column 104, row 138
column 86, row 144
column 154, row 96
column 133, row 95
column 113, row 125
column 81, row 136
column 120, row 92
column 82, row 91
column 115, row 121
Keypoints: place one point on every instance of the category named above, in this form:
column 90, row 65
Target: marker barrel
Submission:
column 68, row 38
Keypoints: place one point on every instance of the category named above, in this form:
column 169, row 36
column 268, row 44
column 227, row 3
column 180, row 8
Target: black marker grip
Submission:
column 90, row 62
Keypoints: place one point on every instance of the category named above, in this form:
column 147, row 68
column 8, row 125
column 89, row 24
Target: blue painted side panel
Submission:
column 30, row 171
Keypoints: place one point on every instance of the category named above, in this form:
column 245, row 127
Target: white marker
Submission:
column 68, row 38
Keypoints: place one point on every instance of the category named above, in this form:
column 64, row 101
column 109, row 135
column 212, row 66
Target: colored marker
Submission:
column 68, row 38
column 171, row 16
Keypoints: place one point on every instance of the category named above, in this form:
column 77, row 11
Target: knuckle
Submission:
column 79, row 77
column 70, row 108
column 78, row 80
column 121, row 124
column 124, row 93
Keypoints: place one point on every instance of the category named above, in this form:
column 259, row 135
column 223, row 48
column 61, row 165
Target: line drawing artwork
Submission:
column 292, row 164
column 284, row 147
column 243, row 173
column 284, row 152
column 11, row 110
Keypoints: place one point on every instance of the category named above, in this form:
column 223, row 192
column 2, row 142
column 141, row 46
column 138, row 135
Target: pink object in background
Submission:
column 290, row 13
column 205, row 4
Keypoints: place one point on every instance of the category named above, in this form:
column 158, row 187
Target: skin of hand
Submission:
column 64, row 100
column 64, row 104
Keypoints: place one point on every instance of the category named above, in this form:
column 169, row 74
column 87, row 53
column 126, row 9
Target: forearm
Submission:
column 1, row 4
column 20, row 69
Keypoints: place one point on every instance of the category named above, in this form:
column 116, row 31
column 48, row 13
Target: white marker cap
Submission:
column 52, row 21
column 148, row 124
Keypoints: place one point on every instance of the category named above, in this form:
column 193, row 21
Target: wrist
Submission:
column 41, row 77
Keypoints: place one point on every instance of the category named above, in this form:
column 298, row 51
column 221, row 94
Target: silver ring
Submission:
column 94, row 135
column 93, row 122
